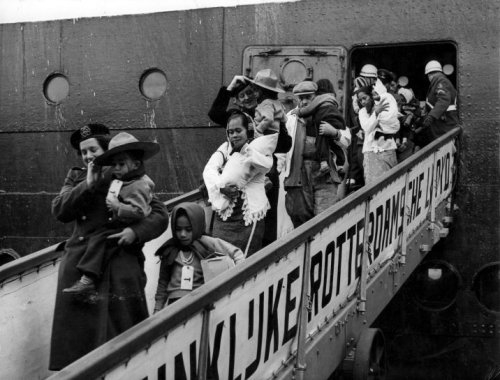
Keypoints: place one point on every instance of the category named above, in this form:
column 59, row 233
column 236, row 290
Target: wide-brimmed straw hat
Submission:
column 123, row 142
column 267, row 79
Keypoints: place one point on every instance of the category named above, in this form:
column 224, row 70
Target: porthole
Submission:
column 486, row 287
column 7, row 255
column 56, row 88
column 435, row 285
column 293, row 72
column 153, row 84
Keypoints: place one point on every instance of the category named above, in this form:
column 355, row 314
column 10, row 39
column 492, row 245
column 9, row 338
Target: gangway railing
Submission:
column 27, row 298
column 299, row 306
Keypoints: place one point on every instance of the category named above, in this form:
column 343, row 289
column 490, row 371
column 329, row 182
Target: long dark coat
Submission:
column 80, row 326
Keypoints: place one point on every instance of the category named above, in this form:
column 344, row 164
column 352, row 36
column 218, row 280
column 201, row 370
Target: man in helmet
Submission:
column 441, row 104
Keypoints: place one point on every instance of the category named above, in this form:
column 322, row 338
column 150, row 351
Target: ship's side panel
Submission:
column 103, row 60
column 199, row 50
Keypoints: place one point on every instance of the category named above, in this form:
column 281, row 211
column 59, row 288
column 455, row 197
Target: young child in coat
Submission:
column 128, row 200
column 180, row 268
column 269, row 112
column 318, row 101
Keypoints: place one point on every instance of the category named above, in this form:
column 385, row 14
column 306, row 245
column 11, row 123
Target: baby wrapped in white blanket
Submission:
column 246, row 170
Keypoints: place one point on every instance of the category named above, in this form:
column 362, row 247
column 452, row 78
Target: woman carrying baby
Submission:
column 235, row 181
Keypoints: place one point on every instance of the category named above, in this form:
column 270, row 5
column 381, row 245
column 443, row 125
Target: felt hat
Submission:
column 86, row 132
column 267, row 79
column 305, row 88
column 123, row 142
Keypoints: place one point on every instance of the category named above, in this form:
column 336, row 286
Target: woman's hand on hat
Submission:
column 125, row 237
column 238, row 80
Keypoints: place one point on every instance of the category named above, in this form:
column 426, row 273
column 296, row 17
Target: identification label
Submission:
column 114, row 189
column 187, row 277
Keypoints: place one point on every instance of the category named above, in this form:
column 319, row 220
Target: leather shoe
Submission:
column 79, row 288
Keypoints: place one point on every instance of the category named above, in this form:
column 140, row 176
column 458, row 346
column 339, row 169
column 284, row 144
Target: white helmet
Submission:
column 368, row 71
column 433, row 66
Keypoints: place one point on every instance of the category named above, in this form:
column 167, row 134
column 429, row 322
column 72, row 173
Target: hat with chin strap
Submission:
column 123, row 142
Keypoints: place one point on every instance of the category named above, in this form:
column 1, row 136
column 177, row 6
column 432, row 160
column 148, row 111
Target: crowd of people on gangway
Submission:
column 309, row 151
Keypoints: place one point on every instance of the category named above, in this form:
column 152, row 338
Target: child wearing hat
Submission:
column 128, row 200
column 269, row 112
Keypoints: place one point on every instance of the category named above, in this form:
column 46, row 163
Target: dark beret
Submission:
column 86, row 132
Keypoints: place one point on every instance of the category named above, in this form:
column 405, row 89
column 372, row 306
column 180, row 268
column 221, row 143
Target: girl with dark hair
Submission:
column 240, row 207
column 378, row 118
column 181, row 269
column 241, row 95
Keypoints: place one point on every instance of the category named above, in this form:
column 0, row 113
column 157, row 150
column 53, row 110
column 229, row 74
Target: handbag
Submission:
column 214, row 266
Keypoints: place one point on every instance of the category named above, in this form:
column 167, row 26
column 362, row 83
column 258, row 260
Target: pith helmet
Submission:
column 368, row 71
column 433, row 66
column 124, row 141
column 267, row 79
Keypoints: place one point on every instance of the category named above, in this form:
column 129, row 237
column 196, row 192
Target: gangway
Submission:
column 299, row 308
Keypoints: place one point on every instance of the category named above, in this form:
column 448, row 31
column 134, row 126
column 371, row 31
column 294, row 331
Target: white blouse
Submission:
column 255, row 202
column 385, row 122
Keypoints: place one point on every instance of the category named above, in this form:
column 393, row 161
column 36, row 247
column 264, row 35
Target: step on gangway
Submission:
column 300, row 308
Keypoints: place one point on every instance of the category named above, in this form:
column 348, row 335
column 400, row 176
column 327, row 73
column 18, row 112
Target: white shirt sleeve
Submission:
column 367, row 122
column 388, row 120
column 213, row 170
column 345, row 137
